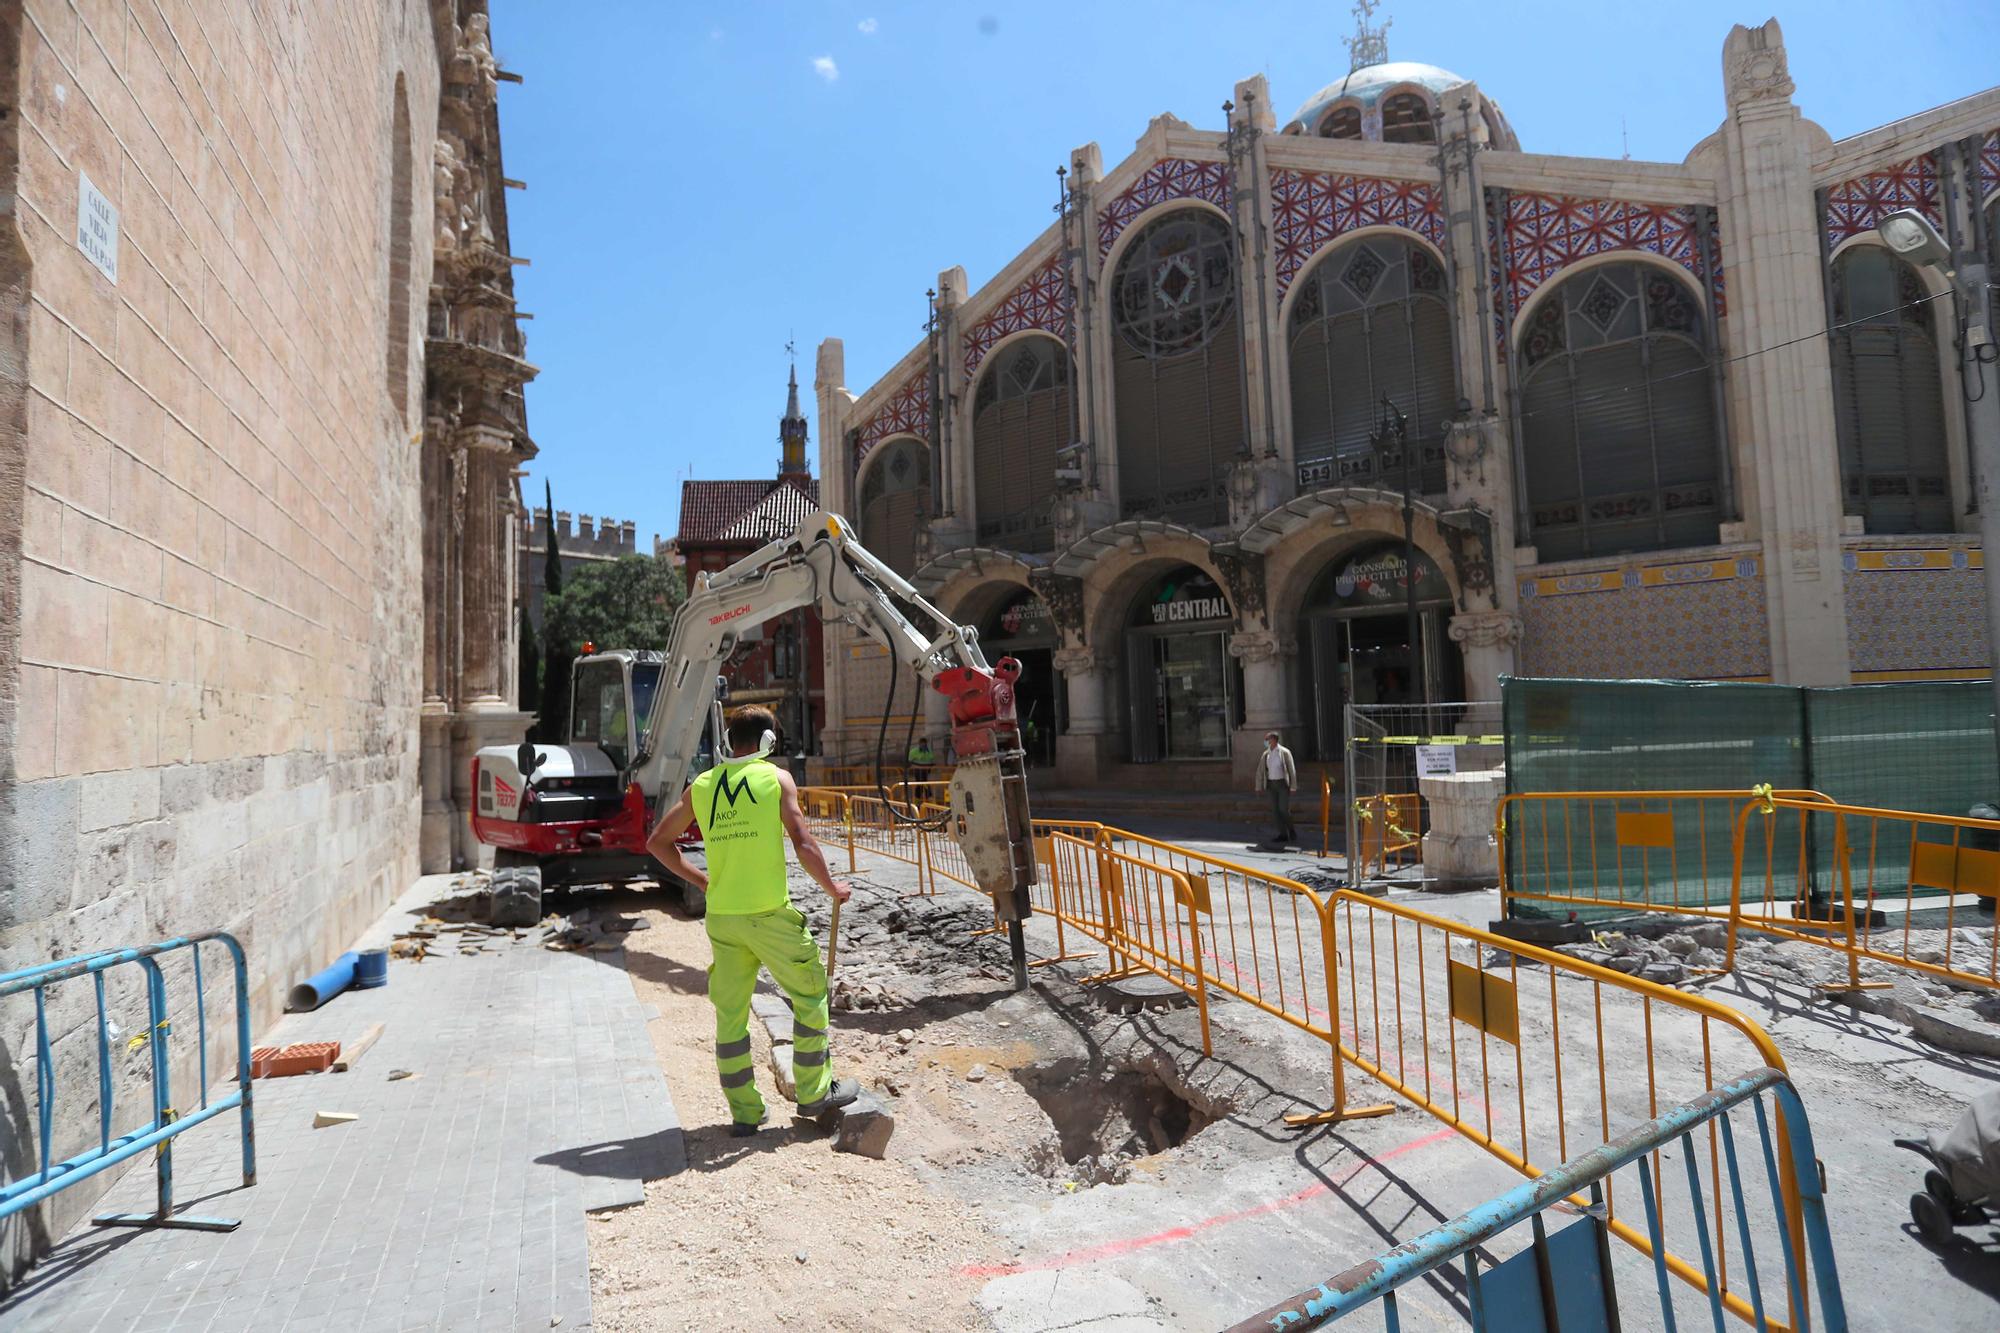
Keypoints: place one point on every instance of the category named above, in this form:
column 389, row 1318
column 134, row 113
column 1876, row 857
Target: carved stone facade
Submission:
column 1505, row 276
column 475, row 442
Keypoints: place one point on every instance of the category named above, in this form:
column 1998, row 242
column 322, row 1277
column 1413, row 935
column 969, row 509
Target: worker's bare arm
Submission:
column 803, row 841
column 661, row 843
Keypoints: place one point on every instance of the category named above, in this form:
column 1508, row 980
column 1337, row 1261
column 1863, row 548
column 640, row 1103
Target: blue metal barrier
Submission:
column 167, row 1122
column 1563, row 1280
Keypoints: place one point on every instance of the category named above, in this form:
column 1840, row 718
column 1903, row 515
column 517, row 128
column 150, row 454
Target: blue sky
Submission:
column 706, row 181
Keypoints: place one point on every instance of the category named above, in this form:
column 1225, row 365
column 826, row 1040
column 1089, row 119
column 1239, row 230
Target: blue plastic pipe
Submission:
column 316, row 990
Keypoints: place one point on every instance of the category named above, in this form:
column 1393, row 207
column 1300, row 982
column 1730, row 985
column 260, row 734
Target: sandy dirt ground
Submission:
column 780, row 1230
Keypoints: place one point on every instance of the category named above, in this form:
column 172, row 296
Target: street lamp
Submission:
column 1910, row 236
column 1396, row 424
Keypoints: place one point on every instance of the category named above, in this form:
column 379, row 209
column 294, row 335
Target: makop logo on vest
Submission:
column 724, row 788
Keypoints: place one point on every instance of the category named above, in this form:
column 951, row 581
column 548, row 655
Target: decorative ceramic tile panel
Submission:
column 908, row 412
column 1989, row 165
column 1917, row 610
column 1042, row 301
column 1310, row 209
column 1701, row 619
column 1855, row 206
column 1169, row 178
column 1545, row 234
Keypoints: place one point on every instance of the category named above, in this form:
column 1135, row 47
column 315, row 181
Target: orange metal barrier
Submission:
column 1505, row 1043
column 1146, row 914
column 1455, row 1019
column 1632, row 851
column 1385, row 826
column 1848, row 863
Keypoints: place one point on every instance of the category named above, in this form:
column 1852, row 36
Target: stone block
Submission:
column 863, row 1127
column 111, row 799
column 1459, row 851
column 781, row 1068
column 182, row 788
column 45, row 851
column 774, row 1013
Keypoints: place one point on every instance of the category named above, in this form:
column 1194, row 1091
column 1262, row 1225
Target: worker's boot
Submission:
column 741, row 1129
column 843, row 1092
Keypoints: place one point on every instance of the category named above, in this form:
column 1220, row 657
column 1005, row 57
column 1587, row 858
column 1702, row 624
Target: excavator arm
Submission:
column 822, row 567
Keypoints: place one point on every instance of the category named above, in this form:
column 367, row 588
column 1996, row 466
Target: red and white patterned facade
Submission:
column 1172, row 178
column 1042, row 301
column 1312, row 209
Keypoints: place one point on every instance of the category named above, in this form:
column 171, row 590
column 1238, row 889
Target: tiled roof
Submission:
column 744, row 511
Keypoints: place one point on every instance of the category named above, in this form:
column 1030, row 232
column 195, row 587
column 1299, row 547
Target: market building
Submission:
column 1654, row 419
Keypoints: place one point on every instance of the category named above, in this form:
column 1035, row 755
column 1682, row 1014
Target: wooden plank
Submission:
column 353, row 1053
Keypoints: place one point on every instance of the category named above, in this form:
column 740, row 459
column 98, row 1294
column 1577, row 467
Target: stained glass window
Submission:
column 1888, row 399
column 1370, row 321
column 1618, row 427
column 1177, row 369
column 895, row 500
column 1022, row 415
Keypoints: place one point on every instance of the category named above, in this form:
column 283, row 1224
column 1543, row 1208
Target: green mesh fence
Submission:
column 1924, row 747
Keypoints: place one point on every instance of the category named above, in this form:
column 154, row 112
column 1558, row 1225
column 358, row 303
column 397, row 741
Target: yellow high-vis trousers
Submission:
column 779, row 942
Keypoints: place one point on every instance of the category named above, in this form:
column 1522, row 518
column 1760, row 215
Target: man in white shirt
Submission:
column 1279, row 775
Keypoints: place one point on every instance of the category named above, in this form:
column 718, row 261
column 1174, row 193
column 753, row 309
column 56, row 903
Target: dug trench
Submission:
column 1029, row 1128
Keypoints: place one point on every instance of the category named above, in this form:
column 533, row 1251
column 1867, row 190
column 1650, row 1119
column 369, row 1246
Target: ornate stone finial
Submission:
column 1368, row 46
column 1754, row 66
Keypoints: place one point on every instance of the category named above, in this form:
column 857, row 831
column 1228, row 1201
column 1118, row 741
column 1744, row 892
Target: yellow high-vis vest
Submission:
column 736, row 804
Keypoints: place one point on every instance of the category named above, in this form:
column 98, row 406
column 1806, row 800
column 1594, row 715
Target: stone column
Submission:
column 953, row 525
column 1784, row 427
column 481, row 519
column 830, row 388
column 1268, row 660
column 435, row 839
column 1488, row 640
column 1089, row 747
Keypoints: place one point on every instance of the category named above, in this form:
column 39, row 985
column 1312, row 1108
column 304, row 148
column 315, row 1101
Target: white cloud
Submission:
column 868, row 26
column 825, row 68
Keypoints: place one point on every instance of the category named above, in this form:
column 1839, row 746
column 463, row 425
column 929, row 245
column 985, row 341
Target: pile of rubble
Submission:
column 1669, row 958
column 584, row 933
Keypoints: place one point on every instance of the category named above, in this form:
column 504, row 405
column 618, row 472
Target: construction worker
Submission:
column 745, row 806
column 1278, row 775
column 921, row 757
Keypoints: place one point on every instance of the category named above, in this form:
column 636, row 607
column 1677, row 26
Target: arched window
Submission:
column 1343, row 122
column 895, row 499
column 1407, row 119
column 1021, row 415
column 397, row 362
column 1618, row 416
column 1370, row 321
column 1175, row 366
column 1887, row 395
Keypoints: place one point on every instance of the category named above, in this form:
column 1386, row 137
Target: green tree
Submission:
column 624, row 603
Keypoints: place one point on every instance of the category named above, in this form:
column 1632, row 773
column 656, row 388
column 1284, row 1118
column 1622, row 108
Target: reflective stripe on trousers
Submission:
column 777, row 942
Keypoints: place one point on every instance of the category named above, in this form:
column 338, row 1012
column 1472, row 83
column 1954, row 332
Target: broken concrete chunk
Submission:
column 1665, row 973
column 906, row 1036
column 322, row 1119
column 976, row 1074
column 863, row 1127
column 396, row 1075
column 1679, row 943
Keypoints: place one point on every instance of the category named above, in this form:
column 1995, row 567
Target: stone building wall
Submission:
column 210, row 578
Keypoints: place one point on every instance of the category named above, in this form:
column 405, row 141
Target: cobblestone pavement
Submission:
column 455, row 1201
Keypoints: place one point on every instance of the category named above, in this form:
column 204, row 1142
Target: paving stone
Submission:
column 863, row 1127
column 456, row 1200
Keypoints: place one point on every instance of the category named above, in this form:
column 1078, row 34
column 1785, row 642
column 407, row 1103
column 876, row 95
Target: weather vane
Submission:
column 1368, row 46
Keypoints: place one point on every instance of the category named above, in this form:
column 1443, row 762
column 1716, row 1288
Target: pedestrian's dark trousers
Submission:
column 1281, row 809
